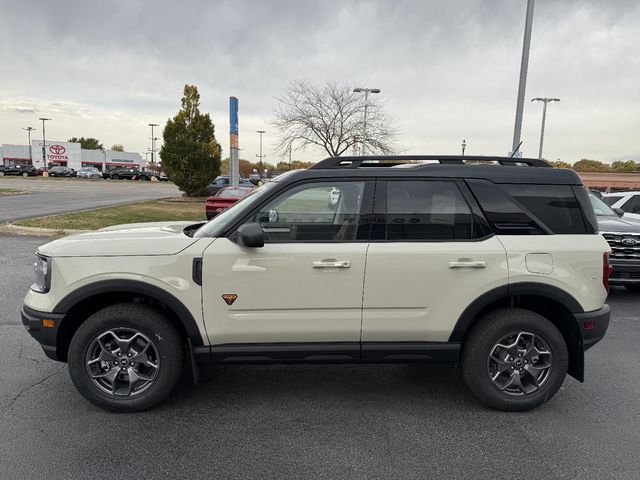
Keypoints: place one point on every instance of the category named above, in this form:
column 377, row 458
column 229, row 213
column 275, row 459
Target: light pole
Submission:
column 29, row 130
column 260, row 156
column 544, row 118
column 44, row 144
column 464, row 145
column 366, row 92
column 524, row 64
column 153, row 140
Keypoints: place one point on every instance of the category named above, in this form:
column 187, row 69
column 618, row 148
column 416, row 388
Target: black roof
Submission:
column 495, row 169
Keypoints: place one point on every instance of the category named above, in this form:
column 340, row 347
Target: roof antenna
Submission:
column 516, row 150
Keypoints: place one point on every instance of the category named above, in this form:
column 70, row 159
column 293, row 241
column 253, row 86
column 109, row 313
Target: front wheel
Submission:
column 514, row 359
column 126, row 358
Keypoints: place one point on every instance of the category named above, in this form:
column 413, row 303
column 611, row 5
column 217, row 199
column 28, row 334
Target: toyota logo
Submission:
column 630, row 242
column 57, row 149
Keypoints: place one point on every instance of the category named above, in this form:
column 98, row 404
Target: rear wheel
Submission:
column 514, row 359
column 126, row 358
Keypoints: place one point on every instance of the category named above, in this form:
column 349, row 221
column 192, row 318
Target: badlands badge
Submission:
column 229, row 298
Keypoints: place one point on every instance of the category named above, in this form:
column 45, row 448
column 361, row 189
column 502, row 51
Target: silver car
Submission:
column 89, row 172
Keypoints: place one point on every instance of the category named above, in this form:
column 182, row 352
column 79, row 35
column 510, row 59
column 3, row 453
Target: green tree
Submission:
column 190, row 153
column 88, row 143
column 586, row 165
column 625, row 166
column 117, row 147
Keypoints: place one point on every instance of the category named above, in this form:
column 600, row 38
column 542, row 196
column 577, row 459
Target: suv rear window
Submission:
column 427, row 210
column 555, row 205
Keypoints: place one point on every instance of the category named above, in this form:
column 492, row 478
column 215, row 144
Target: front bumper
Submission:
column 625, row 272
column 593, row 325
column 46, row 336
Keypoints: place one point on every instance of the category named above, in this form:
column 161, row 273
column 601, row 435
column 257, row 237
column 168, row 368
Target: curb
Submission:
column 11, row 229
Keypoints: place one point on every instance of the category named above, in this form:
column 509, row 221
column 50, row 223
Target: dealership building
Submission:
column 68, row 154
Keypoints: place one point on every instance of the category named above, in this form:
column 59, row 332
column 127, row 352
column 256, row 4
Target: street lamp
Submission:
column 153, row 140
column 464, row 145
column 522, row 85
column 366, row 92
column 29, row 130
column 544, row 117
column 260, row 156
column 44, row 144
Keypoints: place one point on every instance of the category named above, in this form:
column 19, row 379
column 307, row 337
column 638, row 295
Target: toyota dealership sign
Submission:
column 61, row 153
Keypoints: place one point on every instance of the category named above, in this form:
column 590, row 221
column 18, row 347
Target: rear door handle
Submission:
column 332, row 264
column 468, row 264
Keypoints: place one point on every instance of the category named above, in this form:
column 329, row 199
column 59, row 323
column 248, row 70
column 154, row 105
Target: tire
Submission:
column 482, row 358
column 115, row 177
column 126, row 393
column 633, row 288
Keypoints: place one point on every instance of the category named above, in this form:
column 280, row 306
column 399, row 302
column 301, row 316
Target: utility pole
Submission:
column 290, row 147
column 544, row 118
column 260, row 156
column 44, row 145
column 464, row 145
column 29, row 130
column 153, row 141
column 366, row 92
column 524, row 64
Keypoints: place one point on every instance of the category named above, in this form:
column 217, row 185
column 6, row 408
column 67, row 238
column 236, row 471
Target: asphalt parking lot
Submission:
column 60, row 195
column 393, row 421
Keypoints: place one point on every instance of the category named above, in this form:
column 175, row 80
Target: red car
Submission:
column 224, row 198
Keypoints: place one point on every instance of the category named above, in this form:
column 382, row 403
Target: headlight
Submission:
column 42, row 269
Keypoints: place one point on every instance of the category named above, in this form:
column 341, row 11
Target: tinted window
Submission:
column 632, row 205
column 610, row 200
column 326, row 212
column 554, row 205
column 427, row 210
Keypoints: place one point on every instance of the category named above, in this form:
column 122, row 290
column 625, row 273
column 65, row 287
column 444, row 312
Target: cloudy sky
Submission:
column 448, row 69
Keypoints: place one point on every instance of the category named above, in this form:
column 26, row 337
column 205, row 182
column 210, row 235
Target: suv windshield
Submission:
column 601, row 208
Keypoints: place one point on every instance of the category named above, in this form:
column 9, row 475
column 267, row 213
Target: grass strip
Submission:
column 148, row 211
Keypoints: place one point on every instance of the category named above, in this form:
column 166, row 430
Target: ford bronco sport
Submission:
column 495, row 263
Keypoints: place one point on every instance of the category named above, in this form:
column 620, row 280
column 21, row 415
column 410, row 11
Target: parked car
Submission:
column 223, row 181
column 127, row 174
column 627, row 201
column 224, row 198
column 623, row 235
column 60, row 171
column 89, row 172
column 497, row 267
column 24, row 170
column 163, row 177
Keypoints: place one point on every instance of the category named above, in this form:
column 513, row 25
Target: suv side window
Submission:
column 555, row 205
column 427, row 210
column 315, row 212
column 632, row 205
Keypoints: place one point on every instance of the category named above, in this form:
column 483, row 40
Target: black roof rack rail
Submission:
column 393, row 160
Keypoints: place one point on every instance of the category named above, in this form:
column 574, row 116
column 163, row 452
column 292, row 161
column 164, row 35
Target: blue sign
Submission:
column 233, row 115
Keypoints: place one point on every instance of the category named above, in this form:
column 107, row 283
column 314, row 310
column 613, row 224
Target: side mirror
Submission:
column 249, row 235
column 619, row 211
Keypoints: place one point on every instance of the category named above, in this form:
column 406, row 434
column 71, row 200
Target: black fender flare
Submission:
column 135, row 287
column 503, row 292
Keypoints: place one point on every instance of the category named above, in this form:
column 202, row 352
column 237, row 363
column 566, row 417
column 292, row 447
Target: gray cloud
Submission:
column 448, row 69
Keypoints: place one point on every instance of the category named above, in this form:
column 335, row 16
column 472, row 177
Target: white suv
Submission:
column 498, row 267
column 628, row 202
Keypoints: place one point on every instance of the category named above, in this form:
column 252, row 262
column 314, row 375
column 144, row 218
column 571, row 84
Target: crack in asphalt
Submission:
column 26, row 389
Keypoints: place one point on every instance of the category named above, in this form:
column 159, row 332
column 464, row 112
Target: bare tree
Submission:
column 331, row 117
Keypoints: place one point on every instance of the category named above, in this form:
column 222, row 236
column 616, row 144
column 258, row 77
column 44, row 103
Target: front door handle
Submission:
column 468, row 264
column 332, row 264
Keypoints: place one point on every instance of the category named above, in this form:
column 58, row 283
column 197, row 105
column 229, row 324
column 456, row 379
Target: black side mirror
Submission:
column 619, row 211
column 249, row 235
